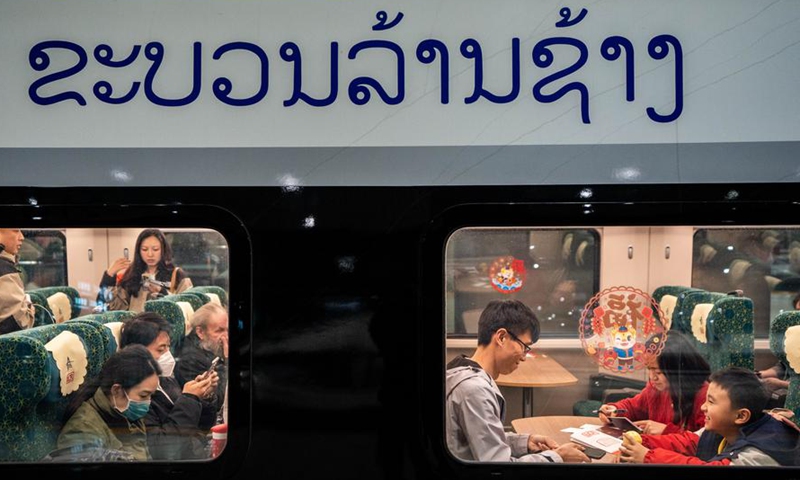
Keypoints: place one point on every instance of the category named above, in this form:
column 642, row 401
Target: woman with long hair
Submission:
column 107, row 413
column 671, row 400
column 150, row 274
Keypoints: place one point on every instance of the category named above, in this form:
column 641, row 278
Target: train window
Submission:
column 762, row 262
column 554, row 271
column 82, row 287
column 43, row 259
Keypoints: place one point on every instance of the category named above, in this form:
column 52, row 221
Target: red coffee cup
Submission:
column 219, row 437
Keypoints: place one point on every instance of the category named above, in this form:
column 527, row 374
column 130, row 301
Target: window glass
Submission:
column 60, row 344
column 553, row 271
column 762, row 262
column 202, row 254
column 43, row 258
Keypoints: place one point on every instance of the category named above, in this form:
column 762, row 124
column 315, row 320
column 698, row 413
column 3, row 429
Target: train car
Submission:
column 356, row 182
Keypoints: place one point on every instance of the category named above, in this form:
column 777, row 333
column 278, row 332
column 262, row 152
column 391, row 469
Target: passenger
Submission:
column 150, row 275
column 737, row 430
column 108, row 411
column 671, row 400
column 178, row 421
column 208, row 340
column 475, row 406
column 16, row 310
column 776, row 378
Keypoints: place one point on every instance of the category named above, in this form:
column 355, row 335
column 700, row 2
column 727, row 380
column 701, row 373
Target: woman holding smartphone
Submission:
column 671, row 400
column 151, row 274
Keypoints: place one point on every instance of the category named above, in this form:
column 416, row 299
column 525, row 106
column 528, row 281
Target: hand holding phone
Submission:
column 212, row 368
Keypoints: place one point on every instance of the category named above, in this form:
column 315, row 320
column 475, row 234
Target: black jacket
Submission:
column 177, row 424
column 193, row 361
column 766, row 434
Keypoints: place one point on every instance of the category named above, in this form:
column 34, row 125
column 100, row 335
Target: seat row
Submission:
column 42, row 367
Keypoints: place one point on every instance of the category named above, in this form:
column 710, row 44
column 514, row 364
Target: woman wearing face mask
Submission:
column 108, row 412
column 152, row 258
column 179, row 419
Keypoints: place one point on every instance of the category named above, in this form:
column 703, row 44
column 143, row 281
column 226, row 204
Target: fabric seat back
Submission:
column 784, row 331
column 220, row 292
column 173, row 314
column 729, row 333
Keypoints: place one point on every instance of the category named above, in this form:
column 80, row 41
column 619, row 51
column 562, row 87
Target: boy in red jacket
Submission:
column 737, row 431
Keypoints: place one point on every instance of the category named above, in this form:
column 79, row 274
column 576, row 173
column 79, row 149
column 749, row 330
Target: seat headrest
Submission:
column 699, row 316
column 61, row 306
column 116, row 330
column 791, row 345
column 71, row 359
column 214, row 298
column 667, row 305
column 188, row 313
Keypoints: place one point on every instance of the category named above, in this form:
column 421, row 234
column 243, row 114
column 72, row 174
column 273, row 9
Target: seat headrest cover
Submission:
column 214, row 298
column 791, row 345
column 699, row 316
column 61, row 306
column 188, row 313
column 116, row 330
column 667, row 305
column 71, row 360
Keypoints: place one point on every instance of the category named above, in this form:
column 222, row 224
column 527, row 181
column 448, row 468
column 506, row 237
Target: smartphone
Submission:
column 594, row 453
column 211, row 368
column 213, row 365
column 126, row 253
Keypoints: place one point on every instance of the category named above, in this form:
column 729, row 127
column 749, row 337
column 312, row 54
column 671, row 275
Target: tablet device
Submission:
column 624, row 424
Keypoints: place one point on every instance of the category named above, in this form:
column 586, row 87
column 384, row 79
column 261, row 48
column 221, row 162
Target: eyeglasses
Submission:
column 525, row 347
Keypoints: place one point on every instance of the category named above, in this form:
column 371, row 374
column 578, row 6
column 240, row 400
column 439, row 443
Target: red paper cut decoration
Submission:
column 507, row 274
column 621, row 329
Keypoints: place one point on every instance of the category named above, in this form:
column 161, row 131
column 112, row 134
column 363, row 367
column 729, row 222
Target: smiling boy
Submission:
column 737, row 431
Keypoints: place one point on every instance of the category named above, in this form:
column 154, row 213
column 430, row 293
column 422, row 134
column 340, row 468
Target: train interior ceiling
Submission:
column 565, row 267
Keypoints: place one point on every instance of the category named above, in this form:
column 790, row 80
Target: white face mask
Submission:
column 167, row 363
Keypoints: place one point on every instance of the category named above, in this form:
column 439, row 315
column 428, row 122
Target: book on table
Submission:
column 597, row 439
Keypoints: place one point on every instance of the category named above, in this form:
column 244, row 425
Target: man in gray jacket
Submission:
column 475, row 406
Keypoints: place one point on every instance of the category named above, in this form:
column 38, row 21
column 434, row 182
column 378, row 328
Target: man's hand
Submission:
column 572, row 453
column 537, row 443
column 198, row 387
column 633, row 452
column 650, row 427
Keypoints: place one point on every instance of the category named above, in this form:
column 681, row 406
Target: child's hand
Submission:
column 633, row 453
column 606, row 411
column 650, row 427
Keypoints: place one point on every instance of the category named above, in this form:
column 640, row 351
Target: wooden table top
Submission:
column 538, row 371
column 552, row 426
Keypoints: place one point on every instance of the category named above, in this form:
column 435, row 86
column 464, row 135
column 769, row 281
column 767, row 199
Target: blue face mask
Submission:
column 135, row 409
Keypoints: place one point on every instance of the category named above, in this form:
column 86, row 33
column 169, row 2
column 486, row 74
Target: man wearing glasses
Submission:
column 475, row 406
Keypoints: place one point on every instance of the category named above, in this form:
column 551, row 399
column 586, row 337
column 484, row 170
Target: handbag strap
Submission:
column 173, row 285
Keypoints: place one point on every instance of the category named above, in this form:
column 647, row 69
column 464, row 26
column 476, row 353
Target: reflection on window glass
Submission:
column 203, row 255
column 555, row 272
column 43, row 259
column 763, row 263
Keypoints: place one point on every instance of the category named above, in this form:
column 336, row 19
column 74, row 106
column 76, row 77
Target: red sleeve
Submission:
column 682, row 443
column 638, row 407
column 662, row 455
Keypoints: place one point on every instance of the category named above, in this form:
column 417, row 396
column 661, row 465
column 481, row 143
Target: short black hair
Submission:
column 512, row 315
column 143, row 329
column 744, row 390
